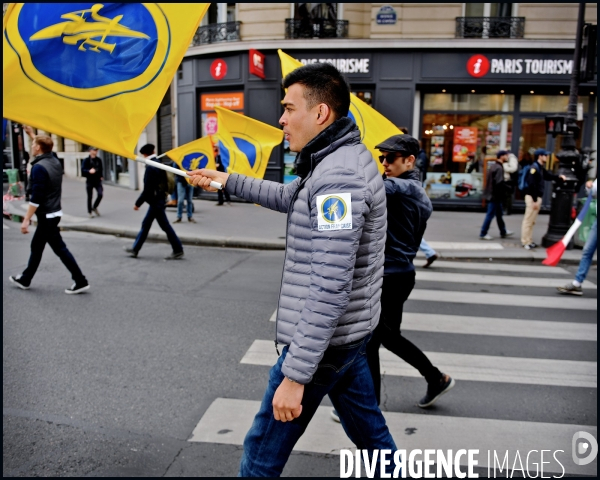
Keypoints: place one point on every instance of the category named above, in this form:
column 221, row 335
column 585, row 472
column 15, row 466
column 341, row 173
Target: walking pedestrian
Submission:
column 590, row 247
column 510, row 167
column 155, row 195
column 494, row 192
column 220, row 168
column 332, row 274
column 185, row 193
column 535, row 184
column 91, row 169
column 408, row 209
column 45, row 190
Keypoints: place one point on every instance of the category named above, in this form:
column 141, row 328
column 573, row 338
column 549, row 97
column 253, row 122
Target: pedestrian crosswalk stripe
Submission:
column 461, row 366
column 5, row 227
column 502, row 327
column 228, row 420
column 432, row 276
column 499, row 267
column 513, row 300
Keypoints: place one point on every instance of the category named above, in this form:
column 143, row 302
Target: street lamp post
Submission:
column 568, row 157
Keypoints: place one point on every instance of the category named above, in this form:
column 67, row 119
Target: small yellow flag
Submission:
column 245, row 144
column 194, row 155
column 95, row 73
column 374, row 127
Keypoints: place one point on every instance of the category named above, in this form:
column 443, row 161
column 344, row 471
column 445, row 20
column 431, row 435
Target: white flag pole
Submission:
column 176, row 171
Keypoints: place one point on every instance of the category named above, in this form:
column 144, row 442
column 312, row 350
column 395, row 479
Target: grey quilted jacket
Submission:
column 331, row 284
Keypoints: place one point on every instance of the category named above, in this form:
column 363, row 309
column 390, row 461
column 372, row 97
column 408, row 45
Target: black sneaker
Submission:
column 19, row 283
column 78, row 288
column 430, row 260
column 435, row 392
column 174, row 255
column 131, row 252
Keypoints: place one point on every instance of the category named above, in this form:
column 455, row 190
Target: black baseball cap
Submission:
column 401, row 144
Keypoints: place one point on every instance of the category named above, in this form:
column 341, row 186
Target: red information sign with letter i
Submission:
column 218, row 69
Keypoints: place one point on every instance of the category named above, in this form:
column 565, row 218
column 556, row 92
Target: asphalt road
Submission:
column 114, row 381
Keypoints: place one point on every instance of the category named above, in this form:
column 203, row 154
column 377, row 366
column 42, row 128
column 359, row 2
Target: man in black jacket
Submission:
column 408, row 209
column 45, row 188
column 535, row 181
column 92, row 171
column 494, row 193
column 155, row 194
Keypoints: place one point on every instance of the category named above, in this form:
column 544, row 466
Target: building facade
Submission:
column 467, row 79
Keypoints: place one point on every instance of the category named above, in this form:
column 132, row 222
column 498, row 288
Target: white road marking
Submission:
column 228, row 420
column 479, row 279
column 481, row 245
column 461, row 366
column 498, row 267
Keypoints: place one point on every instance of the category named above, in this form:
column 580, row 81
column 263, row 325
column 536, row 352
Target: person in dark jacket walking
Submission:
column 408, row 209
column 45, row 189
column 535, row 181
column 221, row 168
column 155, row 195
column 494, row 193
column 91, row 169
column 332, row 273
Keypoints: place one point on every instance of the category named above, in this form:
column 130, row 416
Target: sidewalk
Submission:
column 244, row 225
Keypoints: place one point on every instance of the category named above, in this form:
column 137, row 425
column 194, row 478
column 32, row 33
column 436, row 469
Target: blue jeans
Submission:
column 426, row 249
column 157, row 212
column 184, row 193
column 588, row 253
column 494, row 209
column 344, row 375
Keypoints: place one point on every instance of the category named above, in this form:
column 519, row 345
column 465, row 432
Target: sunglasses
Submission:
column 391, row 157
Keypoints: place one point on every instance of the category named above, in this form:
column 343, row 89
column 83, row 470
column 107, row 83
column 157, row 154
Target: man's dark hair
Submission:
column 147, row 149
column 323, row 83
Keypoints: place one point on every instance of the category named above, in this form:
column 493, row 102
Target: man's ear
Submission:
column 324, row 113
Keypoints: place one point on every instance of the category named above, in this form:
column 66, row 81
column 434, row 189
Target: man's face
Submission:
column 299, row 124
column 543, row 159
column 503, row 158
column 93, row 153
column 396, row 163
column 35, row 149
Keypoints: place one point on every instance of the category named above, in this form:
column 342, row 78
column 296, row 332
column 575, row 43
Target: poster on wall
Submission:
column 454, row 186
column 437, row 147
column 465, row 143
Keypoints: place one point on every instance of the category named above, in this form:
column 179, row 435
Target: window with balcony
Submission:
column 218, row 25
column 316, row 20
column 490, row 20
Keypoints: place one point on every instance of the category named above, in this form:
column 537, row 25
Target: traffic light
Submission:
column 587, row 67
column 555, row 124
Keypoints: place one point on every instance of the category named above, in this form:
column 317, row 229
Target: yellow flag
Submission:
column 193, row 155
column 374, row 127
column 245, row 143
column 94, row 73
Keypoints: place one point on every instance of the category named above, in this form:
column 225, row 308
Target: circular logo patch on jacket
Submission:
column 335, row 211
column 90, row 51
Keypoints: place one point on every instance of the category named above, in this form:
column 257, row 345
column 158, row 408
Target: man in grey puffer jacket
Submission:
column 331, row 287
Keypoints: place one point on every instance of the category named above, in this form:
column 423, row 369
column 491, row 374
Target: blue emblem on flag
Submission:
column 334, row 209
column 224, row 153
column 247, row 149
column 90, row 51
column 195, row 160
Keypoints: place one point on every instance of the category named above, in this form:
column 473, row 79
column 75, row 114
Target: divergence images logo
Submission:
column 194, row 160
column 478, row 65
column 87, row 51
column 584, row 443
column 334, row 209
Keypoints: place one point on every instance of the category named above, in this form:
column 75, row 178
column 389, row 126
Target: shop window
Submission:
column 488, row 9
column 550, row 103
column 467, row 102
column 458, row 146
column 315, row 11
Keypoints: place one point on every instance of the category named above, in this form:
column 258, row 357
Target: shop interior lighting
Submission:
column 451, row 127
column 530, row 91
column 443, row 90
column 501, row 91
column 445, row 127
column 472, row 91
column 561, row 92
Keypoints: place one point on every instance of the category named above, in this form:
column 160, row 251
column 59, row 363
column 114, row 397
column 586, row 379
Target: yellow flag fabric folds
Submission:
column 245, row 143
column 90, row 72
column 193, row 155
column 374, row 127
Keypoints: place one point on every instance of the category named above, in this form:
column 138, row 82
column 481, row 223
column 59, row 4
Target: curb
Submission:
column 227, row 242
